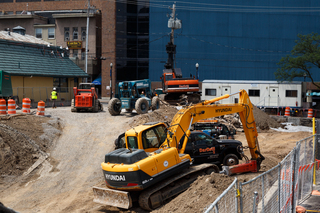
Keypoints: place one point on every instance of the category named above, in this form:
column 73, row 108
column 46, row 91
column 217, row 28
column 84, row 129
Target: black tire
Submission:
column 214, row 169
column 230, row 160
column 114, row 106
column 96, row 106
column 100, row 106
column 73, row 109
column 142, row 106
column 155, row 103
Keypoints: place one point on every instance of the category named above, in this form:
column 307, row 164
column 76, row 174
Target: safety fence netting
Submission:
column 280, row 189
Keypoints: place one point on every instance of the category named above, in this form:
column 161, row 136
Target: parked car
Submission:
column 205, row 149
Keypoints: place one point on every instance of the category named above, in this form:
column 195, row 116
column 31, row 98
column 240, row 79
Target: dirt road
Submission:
column 63, row 182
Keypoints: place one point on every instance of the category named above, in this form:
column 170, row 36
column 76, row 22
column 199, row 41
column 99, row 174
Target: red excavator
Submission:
column 174, row 87
column 85, row 99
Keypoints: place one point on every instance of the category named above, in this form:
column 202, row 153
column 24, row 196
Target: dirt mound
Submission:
column 199, row 195
column 164, row 114
column 263, row 120
column 167, row 112
column 22, row 140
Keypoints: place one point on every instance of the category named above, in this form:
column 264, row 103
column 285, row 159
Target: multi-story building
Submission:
column 63, row 23
column 239, row 41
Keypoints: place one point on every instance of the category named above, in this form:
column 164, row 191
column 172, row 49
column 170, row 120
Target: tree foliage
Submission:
column 305, row 55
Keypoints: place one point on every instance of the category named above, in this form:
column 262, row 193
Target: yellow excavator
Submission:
column 153, row 175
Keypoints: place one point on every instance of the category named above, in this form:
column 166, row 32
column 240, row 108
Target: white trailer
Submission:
column 261, row 93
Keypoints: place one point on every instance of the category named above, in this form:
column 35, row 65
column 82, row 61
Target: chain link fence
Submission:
column 227, row 202
column 280, row 189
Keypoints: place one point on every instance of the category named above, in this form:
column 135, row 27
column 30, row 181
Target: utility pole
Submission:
column 173, row 23
column 87, row 39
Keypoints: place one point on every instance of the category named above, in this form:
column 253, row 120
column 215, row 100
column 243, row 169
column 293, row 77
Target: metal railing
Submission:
column 280, row 189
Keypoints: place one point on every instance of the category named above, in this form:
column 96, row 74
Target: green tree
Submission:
column 305, row 55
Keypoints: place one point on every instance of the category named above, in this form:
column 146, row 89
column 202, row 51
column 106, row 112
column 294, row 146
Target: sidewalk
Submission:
column 312, row 204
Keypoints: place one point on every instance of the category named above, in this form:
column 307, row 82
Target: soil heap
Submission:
column 23, row 139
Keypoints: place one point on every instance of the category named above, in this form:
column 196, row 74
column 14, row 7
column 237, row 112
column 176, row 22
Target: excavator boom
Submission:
column 183, row 120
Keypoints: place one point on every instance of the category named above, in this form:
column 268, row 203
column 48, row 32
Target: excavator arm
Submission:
column 183, row 120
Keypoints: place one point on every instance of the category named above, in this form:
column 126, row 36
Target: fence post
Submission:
column 237, row 195
column 255, row 202
column 294, row 179
column 262, row 194
column 279, row 186
column 241, row 198
column 291, row 176
column 216, row 208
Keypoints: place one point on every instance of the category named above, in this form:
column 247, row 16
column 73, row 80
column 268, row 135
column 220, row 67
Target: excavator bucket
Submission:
column 110, row 197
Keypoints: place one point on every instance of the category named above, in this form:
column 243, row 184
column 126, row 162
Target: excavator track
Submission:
column 154, row 197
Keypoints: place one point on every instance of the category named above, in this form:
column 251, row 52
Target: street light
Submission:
column 304, row 76
column 197, row 73
column 110, row 81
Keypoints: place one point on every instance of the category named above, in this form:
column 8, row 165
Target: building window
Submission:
column 75, row 33
column 38, row 32
column 61, row 84
column 211, row 92
column 291, row 93
column 83, row 55
column 51, row 33
column 83, row 33
column 254, row 92
column 66, row 34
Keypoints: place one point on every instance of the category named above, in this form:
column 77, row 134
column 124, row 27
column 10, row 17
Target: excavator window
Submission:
column 132, row 142
column 154, row 137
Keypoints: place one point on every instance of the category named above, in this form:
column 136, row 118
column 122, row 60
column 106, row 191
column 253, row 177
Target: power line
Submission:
column 205, row 7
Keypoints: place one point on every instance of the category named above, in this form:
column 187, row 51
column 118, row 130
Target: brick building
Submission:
column 33, row 15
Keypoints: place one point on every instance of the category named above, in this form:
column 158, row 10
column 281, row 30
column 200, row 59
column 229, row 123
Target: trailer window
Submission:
column 132, row 142
column 211, row 92
column 254, row 92
column 291, row 93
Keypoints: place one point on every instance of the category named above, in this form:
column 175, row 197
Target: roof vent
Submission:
column 19, row 29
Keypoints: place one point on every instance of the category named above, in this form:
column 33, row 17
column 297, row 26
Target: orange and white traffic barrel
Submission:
column 41, row 107
column 287, row 111
column 3, row 107
column 26, row 103
column 11, row 107
column 310, row 113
